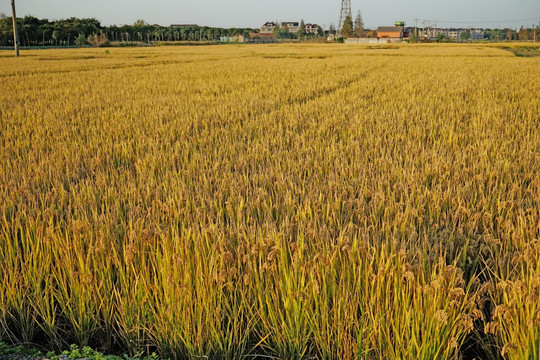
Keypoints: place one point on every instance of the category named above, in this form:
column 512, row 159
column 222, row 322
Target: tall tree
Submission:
column 359, row 25
column 347, row 29
column 140, row 23
column 302, row 30
column 277, row 31
column 523, row 34
column 332, row 29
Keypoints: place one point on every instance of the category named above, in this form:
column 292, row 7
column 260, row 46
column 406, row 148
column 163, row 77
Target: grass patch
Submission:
column 8, row 352
column 524, row 51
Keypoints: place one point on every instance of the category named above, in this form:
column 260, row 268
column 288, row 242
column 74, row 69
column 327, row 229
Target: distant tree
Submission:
column 523, row 34
column 331, row 29
column 140, row 23
column 371, row 34
column 44, row 30
column 284, row 30
column 441, row 38
column 277, row 31
column 509, row 35
column 98, row 40
column 55, row 36
column 359, row 25
column 302, row 30
column 488, row 34
column 347, row 29
column 80, row 41
column 465, row 35
column 34, row 31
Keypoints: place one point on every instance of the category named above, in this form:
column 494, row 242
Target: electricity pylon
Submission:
column 345, row 11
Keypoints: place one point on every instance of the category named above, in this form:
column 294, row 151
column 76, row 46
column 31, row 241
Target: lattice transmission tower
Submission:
column 345, row 11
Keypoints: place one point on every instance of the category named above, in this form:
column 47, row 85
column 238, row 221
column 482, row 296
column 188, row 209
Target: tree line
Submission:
column 524, row 34
column 74, row 31
column 356, row 29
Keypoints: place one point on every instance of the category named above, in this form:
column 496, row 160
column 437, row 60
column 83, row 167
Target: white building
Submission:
column 477, row 34
column 291, row 26
column 454, row 34
column 312, row 28
column 268, row 27
column 451, row 33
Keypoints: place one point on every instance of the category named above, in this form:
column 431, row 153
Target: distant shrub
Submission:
column 80, row 41
column 98, row 40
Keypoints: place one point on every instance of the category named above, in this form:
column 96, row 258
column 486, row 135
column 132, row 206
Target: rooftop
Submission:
column 390, row 28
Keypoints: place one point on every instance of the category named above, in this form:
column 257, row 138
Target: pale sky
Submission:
column 253, row 13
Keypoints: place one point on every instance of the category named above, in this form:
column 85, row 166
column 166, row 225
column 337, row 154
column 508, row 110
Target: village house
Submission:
column 477, row 34
column 312, row 28
column 454, row 34
column 291, row 26
column 265, row 38
column 268, row 28
column 390, row 32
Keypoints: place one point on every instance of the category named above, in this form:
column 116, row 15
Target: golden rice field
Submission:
column 272, row 201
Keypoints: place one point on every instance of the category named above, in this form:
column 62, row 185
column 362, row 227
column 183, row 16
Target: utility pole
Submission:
column 416, row 28
column 15, row 33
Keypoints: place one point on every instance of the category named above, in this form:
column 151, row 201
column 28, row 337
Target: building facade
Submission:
column 454, row 34
column 313, row 28
column 291, row 26
column 477, row 34
column 390, row 32
column 268, row 27
column 451, row 33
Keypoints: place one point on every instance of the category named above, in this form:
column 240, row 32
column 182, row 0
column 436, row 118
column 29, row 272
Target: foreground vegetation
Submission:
column 287, row 201
column 74, row 353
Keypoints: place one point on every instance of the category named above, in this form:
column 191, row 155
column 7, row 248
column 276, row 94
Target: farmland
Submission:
column 292, row 201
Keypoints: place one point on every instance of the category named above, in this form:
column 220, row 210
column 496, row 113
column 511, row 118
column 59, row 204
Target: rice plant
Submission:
column 283, row 201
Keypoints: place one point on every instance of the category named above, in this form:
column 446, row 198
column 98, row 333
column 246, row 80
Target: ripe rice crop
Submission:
column 286, row 201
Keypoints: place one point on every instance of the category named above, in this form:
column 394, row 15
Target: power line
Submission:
column 487, row 22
